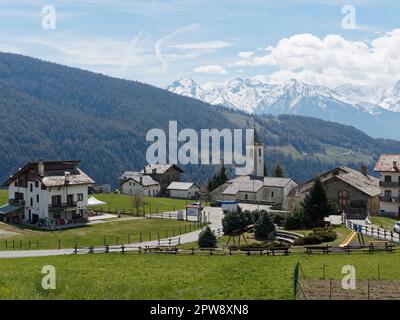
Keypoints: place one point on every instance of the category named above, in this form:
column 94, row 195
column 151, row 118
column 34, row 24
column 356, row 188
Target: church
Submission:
column 255, row 187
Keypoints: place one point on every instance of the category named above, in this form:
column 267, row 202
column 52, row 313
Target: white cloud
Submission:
column 210, row 69
column 161, row 42
column 245, row 54
column 205, row 45
column 333, row 60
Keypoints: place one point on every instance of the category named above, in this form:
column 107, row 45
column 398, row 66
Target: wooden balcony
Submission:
column 389, row 199
column 389, row 184
column 55, row 206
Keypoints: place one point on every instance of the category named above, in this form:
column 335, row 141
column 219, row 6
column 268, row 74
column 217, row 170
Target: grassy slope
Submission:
column 114, row 232
column 384, row 222
column 3, row 196
column 132, row 276
column 121, row 202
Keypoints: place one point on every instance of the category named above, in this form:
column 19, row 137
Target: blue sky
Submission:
column 159, row 41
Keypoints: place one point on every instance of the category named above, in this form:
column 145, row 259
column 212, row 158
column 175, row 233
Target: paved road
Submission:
column 215, row 219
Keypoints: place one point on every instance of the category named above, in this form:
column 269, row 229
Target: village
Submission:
column 55, row 208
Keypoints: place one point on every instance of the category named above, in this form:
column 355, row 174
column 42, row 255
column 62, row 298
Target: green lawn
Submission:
column 122, row 202
column 112, row 232
column 384, row 222
column 132, row 276
column 3, row 196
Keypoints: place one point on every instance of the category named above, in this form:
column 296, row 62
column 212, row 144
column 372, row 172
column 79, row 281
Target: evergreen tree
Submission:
column 238, row 220
column 217, row 180
column 316, row 205
column 207, row 238
column 264, row 229
column 265, row 171
column 278, row 171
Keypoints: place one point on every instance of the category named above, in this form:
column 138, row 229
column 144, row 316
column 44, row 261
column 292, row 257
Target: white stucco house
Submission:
column 183, row 190
column 137, row 183
column 55, row 192
column 388, row 165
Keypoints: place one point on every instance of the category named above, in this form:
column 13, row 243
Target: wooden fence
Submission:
column 372, row 232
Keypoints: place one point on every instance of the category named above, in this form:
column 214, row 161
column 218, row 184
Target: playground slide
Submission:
column 349, row 238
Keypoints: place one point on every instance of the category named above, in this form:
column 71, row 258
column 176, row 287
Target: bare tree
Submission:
column 137, row 202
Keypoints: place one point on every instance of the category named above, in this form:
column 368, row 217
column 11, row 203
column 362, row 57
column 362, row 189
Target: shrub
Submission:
column 319, row 235
column 207, row 239
column 264, row 229
column 236, row 221
column 278, row 220
column 294, row 221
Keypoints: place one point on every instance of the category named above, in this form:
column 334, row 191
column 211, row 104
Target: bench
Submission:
column 380, row 245
column 161, row 249
column 283, row 250
column 323, row 249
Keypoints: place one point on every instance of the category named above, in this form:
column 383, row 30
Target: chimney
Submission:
column 66, row 174
column 141, row 180
column 364, row 169
column 41, row 168
column 395, row 165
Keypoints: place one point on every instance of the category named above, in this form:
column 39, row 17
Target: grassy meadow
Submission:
column 132, row 276
column 115, row 232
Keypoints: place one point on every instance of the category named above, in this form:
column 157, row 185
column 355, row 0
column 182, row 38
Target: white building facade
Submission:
column 183, row 190
column 54, row 192
column 388, row 166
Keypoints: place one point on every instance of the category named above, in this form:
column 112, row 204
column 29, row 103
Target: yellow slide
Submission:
column 348, row 239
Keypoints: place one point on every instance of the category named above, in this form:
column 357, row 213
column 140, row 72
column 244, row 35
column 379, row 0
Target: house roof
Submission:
column 388, row 163
column 7, row 208
column 364, row 183
column 138, row 177
column 54, row 173
column 76, row 178
column 175, row 185
column 254, row 184
column 160, row 168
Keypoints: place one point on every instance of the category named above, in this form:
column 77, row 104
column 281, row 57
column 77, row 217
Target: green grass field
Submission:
column 384, row 222
column 115, row 232
column 122, row 202
column 3, row 196
column 131, row 276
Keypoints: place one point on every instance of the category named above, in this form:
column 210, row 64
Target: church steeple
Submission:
column 258, row 148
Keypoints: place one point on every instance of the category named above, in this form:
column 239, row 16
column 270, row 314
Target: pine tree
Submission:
column 217, row 180
column 316, row 205
column 264, row 229
column 278, row 171
column 207, row 238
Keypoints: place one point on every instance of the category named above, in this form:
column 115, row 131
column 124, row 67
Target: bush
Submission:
column 253, row 245
column 207, row 239
column 294, row 222
column 233, row 221
column 278, row 220
column 264, row 229
column 319, row 235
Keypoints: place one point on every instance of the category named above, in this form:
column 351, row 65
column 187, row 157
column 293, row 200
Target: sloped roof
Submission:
column 7, row 208
column 388, row 163
column 138, row 177
column 364, row 183
column 76, row 178
column 160, row 168
column 254, row 184
column 276, row 182
column 176, row 185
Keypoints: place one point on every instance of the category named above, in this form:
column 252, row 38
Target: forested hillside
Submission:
column 51, row 111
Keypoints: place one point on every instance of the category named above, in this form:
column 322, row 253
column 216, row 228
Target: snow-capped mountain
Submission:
column 375, row 111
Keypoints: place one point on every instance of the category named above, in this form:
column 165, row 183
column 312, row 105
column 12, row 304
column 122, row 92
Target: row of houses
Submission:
column 158, row 180
column 58, row 190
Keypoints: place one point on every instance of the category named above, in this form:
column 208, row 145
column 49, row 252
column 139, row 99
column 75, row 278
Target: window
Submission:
column 272, row 194
column 31, row 187
column 16, row 183
column 36, row 184
column 31, row 201
column 388, row 193
column 37, row 198
column 259, row 152
column 246, row 196
column 80, row 196
column 70, row 199
column 56, row 200
column 344, row 199
column 388, row 178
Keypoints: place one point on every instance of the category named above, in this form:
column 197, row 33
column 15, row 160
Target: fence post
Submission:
column 368, row 289
column 107, row 248
column 140, row 237
column 330, row 289
column 122, row 249
column 149, row 236
column 59, row 244
column 6, row 245
column 76, row 249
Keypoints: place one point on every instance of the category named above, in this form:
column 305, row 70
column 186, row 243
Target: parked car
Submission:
column 397, row 227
